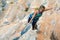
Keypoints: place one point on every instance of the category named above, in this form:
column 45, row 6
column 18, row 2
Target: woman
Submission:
column 34, row 17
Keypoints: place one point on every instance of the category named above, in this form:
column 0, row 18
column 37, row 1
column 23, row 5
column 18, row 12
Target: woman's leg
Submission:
column 36, row 26
column 33, row 25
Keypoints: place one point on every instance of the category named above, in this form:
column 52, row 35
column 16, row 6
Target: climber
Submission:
column 34, row 17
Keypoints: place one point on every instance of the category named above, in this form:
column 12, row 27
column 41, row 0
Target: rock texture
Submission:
column 15, row 20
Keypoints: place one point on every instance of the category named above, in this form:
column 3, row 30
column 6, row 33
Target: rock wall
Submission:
column 15, row 20
column 50, row 23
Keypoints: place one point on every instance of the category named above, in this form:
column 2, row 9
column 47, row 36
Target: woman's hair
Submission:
column 42, row 7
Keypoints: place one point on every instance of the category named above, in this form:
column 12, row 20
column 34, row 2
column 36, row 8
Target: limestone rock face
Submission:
column 15, row 20
column 49, row 25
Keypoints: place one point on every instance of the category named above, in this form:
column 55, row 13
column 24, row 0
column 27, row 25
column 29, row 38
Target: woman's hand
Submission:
column 49, row 8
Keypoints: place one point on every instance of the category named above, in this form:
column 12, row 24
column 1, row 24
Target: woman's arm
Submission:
column 48, row 8
column 33, row 16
